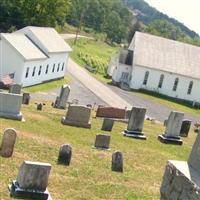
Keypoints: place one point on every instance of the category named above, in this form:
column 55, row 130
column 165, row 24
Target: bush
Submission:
column 95, row 62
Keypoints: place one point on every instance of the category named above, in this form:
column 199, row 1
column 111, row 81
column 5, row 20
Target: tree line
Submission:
column 108, row 16
column 115, row 18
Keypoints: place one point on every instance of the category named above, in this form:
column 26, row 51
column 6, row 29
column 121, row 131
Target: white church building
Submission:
column 33, row 55
column 161, row 65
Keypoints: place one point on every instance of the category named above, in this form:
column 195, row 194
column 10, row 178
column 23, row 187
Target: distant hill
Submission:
column 147, row 15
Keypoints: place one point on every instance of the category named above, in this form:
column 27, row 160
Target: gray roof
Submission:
column 48, row 37
column 23, row 46
column 167, row 55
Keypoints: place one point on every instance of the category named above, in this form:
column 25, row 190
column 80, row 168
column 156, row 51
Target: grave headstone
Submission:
column 185, row 128
column 107, row 124
column 26, row 98
column 181, row 179
column 39, row 106
column 8, row 142
column 65, row 154
column 10, row 106
column 102, row 141
column 15, row 89
column 111, row 112
column 165, row 122
column 117, row 161
column 32, row 181
column 78, row 116
column 172, row 131
column 61, row 100
column 136, row 123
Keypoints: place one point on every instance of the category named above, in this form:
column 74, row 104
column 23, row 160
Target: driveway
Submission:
column 102, row 91
column 66, row 36
column 78, row 91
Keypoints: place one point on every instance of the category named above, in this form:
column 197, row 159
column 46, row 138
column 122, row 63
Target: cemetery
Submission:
column 71, row 153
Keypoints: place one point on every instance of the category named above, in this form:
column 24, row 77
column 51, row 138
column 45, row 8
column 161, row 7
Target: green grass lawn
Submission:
column 47, row 86
column 167, row 101
column 89, row 176
column 93, row 53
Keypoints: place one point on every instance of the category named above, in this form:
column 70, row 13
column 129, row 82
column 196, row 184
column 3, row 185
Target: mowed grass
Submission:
column 93, row 53
column 89, row 176
column 47, row 85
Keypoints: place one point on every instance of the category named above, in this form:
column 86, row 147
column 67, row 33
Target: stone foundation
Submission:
column 180, row 182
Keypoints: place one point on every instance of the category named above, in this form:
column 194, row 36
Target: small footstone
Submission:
column 39, row 106
column 107, row 124
column 102, row 141
column 65, row 154
column 117, row 161
column 8, row 142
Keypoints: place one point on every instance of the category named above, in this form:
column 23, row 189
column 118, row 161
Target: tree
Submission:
column 44, row 12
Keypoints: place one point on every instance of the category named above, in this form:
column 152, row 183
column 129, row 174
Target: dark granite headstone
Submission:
column 185, row 128
column 39, row 106
column 26, row 98
column 117, row 161
column 102, row 141
column 65, row 154
column 107, row 124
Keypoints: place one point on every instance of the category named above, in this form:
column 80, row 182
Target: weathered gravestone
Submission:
column 65, row 154
column 173, row 127
column 111, row 112
column 185, row 128
column 78, row 116
column 26, row 98
column 136, row 123
column 32, row 181
column 39, row 106
column 165, row 122
column 15, row 88
column 10, row 105
column 117, row 161
column 107, row 124
column 61, row 100
column 102, row 141
column 8, row 142
column 181, row 179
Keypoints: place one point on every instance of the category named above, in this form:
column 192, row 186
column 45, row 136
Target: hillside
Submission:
column 148, row 14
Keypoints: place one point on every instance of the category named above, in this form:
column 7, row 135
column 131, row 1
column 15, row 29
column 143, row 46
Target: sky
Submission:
column 185, row 11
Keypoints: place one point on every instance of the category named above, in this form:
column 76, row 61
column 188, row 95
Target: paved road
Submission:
column 78, row 91
column 71, row 36
column 99, row 89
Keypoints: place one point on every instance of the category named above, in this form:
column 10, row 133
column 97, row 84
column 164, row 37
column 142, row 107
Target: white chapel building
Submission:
column 33, row 55
column 161, row 65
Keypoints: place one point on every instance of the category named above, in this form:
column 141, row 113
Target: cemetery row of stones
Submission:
column 32, row 178
column 31, row 183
